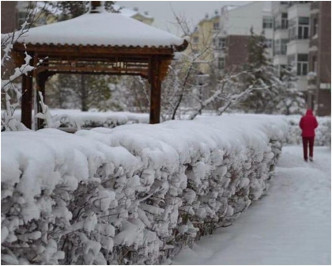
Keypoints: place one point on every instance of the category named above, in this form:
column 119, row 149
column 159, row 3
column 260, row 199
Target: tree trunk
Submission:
column 84, row 94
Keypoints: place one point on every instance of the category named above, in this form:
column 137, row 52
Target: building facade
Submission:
column 201, row 42
column 319, row 87
column 236, row 23
column 298, row 14
column 298, row 38
column 302, row 43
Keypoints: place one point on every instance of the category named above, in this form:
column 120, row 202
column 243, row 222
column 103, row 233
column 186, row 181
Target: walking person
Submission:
column 308, row 124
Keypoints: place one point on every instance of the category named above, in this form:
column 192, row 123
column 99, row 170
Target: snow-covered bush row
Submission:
column 76, row 119
column 132, row 194
column 323, row 132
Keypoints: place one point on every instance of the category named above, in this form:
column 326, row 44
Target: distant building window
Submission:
column 221, row 63
column 281, row 22
column 315, row 26
column 216, row 26
column 303, row 29
column 280, row 47
column 284, row 21
column 195, row 40
column 303, row 20
column 302, row 64
column 268, row 43
column 299, row 29
column 221, row 43
column 267, row 22
column 292, row 29
column 284, row 46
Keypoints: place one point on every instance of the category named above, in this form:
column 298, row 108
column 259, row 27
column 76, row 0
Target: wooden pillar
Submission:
column 155, row 96
column 26, row 100
column 41, row 79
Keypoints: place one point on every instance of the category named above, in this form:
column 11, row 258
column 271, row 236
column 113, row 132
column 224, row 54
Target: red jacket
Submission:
column 308, row 123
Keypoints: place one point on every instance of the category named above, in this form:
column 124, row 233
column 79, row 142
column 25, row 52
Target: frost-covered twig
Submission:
column 46, row 114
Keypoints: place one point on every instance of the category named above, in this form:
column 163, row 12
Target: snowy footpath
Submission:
column 290, row 225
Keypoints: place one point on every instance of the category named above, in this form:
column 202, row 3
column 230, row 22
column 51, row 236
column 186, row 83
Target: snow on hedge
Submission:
column 72, row 120
column 132, row 194
column 75, row 119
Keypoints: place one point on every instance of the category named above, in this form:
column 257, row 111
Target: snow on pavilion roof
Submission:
column 101, row 29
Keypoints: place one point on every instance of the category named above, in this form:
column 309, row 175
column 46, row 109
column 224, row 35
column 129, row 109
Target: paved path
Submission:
column 290, row 225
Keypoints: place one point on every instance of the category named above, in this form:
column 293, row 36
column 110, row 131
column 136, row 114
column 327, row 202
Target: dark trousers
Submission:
column 308, row 141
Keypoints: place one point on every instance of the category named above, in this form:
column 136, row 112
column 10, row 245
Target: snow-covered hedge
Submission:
column 73, row 120
column 76, row 119
column 323, row 132
column 133, row 194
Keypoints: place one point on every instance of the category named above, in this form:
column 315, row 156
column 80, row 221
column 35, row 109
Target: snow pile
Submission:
column 76, row 119
column 133, row 194
column 323, row 132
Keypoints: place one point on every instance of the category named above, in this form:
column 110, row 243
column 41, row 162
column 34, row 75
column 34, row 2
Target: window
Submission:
column 281, row 21
column 280, row 47
column 292, row 29
column 216, row 26
column 221, row 63
column 195, row 40
column 315, row 26
column 267, row 22
column 284, row 21
column 221, row 43
column 303, row 29
column 298, row 29
column 268, row 43
column 283, row 46
column 302, row 64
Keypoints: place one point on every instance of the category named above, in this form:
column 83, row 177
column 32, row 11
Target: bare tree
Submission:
column 10, row 92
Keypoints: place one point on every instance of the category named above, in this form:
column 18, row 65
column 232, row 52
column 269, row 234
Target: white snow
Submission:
column 143, row 180
column 290, row 225
column 107, row 29
column 77, row 119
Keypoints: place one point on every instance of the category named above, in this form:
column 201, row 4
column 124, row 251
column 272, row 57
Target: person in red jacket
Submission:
column 308, row 124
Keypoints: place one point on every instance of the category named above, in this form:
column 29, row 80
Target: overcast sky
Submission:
column 163, row 16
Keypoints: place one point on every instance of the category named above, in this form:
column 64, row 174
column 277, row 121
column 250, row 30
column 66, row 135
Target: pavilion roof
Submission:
column 101, row 29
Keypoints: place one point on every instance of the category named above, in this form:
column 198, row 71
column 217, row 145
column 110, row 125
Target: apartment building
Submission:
column 298, row 37
column 301, row 42
column 201, row 41
column 280, row 35
column 236, row 23
column 298, row 14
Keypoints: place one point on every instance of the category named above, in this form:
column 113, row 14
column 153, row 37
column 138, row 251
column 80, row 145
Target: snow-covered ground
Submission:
column 290, row 225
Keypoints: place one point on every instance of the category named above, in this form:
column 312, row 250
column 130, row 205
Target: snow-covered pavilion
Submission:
column 98, row 42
